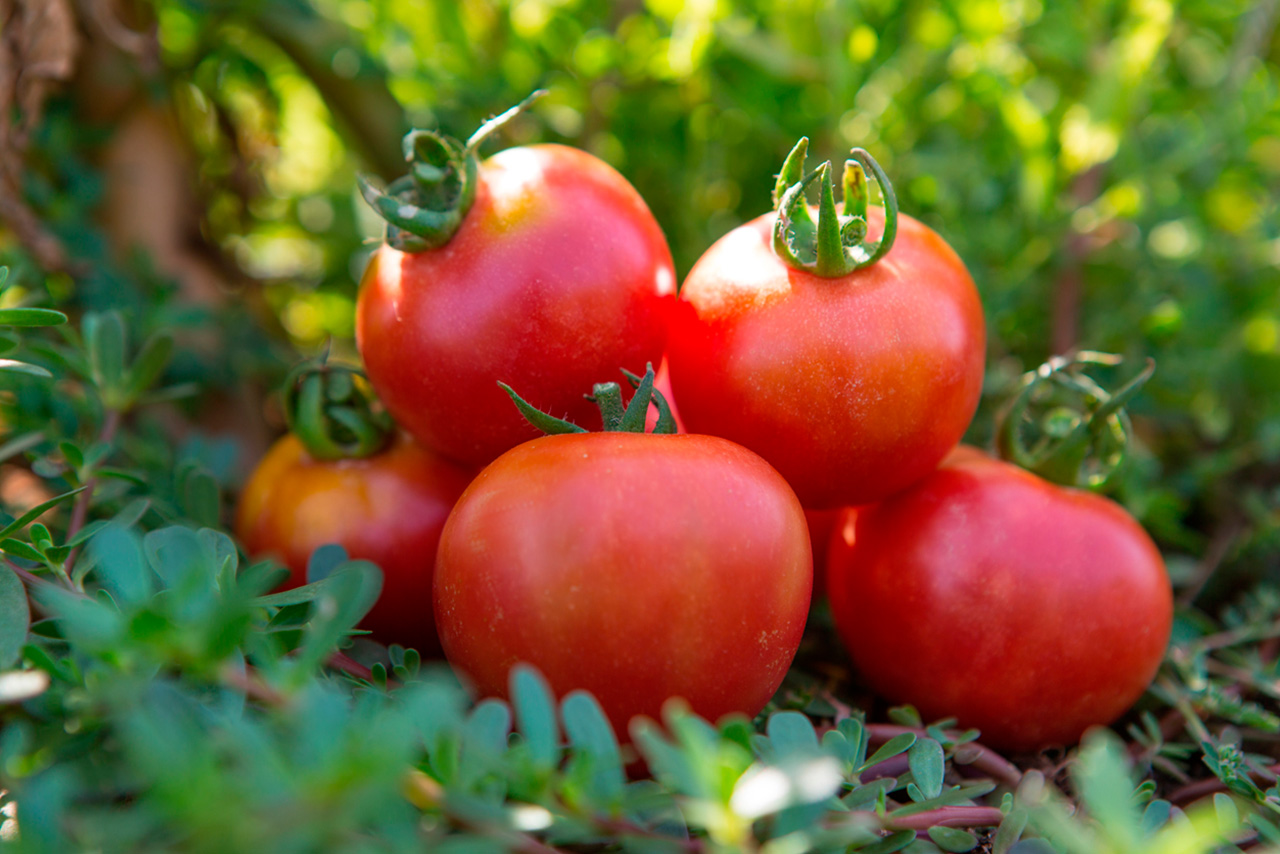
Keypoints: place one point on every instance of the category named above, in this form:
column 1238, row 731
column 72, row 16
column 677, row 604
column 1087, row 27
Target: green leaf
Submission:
column 928, row 765
column 536, row 713
column 176, row 554
column 892, row 842
column 18, row 548
column 791, row 733
column 200, row 495
column 1227, row 811
column 1009, row 831
column 590, row 732
column 953, row 839
column 15, row 616
column 31, row 317
column 13, row 366
column 120, row 564
column 148, row 366
column 324, row 560
column 486, row 729
column 36, row 512
column 1156, row 816
column 104, row 338
column 1102, row 778
column 856, row 734
column 895, row 746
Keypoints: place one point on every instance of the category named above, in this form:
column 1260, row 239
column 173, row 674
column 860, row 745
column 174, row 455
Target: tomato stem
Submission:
column 607, row 396
column 425, row 208
column 837, row 245
column 333, row 411
column 1081, row 442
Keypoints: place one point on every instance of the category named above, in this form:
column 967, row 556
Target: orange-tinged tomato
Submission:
column 558, row 275
column 1028, row 610
column 638, row 567
column 388, row 508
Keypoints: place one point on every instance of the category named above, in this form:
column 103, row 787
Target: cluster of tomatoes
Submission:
column 826, row 361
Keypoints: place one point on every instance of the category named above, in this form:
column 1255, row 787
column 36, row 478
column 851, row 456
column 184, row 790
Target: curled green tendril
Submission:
column 836, row 244
column 333, row 411
column 1080, row 442
column 607, row 396
column 425, row 208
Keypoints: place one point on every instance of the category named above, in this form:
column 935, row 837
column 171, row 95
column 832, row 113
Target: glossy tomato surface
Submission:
column 1025, row 609
column 388, row 508
column 852, row 387
column 637, row 567
column 558, row 276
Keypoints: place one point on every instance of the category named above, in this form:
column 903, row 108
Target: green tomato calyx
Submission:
column 1081, row 431
column 608, row 396
column 425, row 208
column 333, row 411
column 836, row 244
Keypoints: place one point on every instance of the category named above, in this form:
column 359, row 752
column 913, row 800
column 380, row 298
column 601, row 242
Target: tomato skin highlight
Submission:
column 637, row 567
column 388, row 508
column 558, row 275
column 852, row 387
column 1028, row 610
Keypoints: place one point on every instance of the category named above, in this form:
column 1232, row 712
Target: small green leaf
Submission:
column 590, row 732
column 15, row 616
column 536, row 713
column 856, row 734
column 953, row 839
column 148, row 366
column 36, row 512
column 791, row 733
column 324, row 560
column 200, row 495
column 120, row 564
column 906, row 716
column 31, row 317
column 1156, row 816
column 895, row 746
column 104, row 338
column 74, row 456
column 1227, row 811
column 486, row 728
column 1010, row 830
column 18, row 548
column 892, row 842
column 928, row 765
column 13, row 366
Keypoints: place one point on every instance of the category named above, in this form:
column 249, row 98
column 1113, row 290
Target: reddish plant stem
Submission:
column 986, row 760
column 1193, row 792
column 253, row 686
column 950, row 816
column 344, row 663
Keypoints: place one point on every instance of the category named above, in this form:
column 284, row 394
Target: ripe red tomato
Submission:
column 637, row 567
column 388, row 508
column 557, row 275
column 853, row 387
column 1028, row 610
